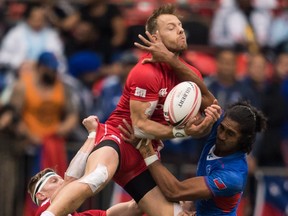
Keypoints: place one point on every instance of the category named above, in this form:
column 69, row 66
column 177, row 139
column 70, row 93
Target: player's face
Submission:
column 172, row 33
column 52, row 185
column 228, row 135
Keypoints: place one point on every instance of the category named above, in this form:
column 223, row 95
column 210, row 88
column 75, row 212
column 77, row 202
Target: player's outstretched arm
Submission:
column 160, row 53
column 173, row 189
column 77, row 165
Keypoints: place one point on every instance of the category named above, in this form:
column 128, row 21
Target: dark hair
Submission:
column 221, row 50
column 151, row 24
column 250, row 120
column 30, row 6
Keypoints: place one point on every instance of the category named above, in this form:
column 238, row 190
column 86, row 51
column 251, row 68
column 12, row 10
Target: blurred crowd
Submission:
column 62, row 60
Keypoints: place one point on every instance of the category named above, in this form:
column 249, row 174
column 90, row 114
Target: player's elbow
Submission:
column 140, row 132
column 173, row 193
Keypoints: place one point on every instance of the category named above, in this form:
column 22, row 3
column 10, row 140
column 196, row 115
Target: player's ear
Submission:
column 155, row 37
column 40, row 196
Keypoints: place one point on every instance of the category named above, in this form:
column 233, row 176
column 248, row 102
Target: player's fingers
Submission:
column 212, row 113
column 140, row 46
column 124, row 131
column 191, row 121
column 128, row 126
column 144, row 40
column 147, row 60
column 125, row 138
column 149, row 37
column 216, row 110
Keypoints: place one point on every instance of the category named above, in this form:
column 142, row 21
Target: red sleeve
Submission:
column 143, row 82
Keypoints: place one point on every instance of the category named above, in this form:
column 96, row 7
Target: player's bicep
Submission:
column 141, row 111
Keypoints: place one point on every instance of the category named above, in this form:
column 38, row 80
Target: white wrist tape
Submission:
column 92, row 134
column 77, row 165
column 47, row 213
column 179, row 132
column 151, row 159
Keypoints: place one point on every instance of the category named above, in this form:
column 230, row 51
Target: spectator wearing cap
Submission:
column 85, row 66
column 47, row 114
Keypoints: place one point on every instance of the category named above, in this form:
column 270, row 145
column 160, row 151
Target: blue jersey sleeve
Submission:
column 225, row 183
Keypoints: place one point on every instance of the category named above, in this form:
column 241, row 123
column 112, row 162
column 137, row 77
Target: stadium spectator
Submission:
column 256, row 79
column 10, row 155
column 47, row 114
column 112, row 86
column 282, row 71
column 224, row 85
column 83, row 38
column 278, row 33
column 141, row 104
column 249, row 34
column 28, row 39
column 269, row 151
column 222, row 169
column 109, row 25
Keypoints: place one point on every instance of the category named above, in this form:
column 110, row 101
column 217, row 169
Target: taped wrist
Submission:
column 179, row 132
column 77, row 165
column 92, row 134
column 151, row 159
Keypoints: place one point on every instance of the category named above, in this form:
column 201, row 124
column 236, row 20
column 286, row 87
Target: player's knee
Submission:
column 96, row 179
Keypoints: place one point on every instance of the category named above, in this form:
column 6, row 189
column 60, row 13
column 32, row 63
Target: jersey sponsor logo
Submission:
column 140, row 92
column 163, row 92
column 219, row 183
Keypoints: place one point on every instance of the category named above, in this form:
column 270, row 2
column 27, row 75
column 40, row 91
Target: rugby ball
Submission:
column 182, row 103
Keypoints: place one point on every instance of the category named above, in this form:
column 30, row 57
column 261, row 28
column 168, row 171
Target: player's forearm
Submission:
column 184, row 73
column 153, row 130
column 78, row 163
column 164, row 179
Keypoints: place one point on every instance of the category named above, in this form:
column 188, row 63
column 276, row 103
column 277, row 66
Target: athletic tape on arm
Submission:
column 77, row 165
column 96, row 178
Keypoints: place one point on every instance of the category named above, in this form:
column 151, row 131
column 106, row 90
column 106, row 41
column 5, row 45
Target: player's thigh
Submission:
column 155, row 204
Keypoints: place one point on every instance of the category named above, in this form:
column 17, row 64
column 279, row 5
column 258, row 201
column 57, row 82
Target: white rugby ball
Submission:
column 182, row 102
